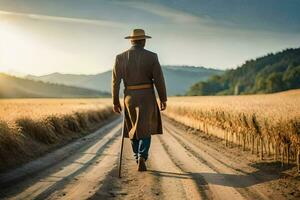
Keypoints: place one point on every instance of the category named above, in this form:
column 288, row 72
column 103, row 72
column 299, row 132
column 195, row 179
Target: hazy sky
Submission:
column 83, row 36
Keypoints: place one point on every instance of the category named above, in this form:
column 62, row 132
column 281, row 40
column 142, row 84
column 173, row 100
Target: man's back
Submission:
column 137, row 66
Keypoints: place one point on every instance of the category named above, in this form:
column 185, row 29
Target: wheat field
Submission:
column 31, row 127
column 268, row 125
column 12, row 109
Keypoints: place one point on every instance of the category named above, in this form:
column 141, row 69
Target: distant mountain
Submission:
column 178, row 78
column 13, row 87
column 267, row 74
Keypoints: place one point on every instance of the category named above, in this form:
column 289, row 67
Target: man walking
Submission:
column 140, row 71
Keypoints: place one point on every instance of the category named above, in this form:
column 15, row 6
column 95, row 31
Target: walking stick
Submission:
column 122, row 143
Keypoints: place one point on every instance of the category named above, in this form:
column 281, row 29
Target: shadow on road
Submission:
column 231, row 180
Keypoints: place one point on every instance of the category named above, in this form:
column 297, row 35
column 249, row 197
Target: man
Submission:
column 140, row 70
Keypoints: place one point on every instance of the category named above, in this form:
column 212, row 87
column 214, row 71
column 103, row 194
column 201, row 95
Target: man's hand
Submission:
column 163, row 106
column 117, row 109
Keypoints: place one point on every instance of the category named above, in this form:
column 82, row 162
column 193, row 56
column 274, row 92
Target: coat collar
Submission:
column 134, row 47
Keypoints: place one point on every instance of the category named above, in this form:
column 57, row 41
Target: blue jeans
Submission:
column 141, row 147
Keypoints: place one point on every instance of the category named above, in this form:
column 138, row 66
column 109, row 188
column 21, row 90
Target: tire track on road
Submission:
column 175, row 184
column 85, row 184
column 216, row 186
column 56, row 177
column 232, row 178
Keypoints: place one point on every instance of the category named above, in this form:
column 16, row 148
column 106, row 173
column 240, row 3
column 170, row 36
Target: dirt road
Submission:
column 180, row 167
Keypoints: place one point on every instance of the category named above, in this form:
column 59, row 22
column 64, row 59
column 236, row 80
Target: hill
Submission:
column 267, row 74
column 13, row 87
column 178, row 78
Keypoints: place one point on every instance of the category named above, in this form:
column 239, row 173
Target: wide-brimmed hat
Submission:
column 138, row 34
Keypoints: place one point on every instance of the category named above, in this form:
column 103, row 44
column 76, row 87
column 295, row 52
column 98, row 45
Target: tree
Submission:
column 292, row 78
column 274, row 83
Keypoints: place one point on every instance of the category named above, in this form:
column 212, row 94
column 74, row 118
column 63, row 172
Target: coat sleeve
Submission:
column 159, row 80
column 116, row 80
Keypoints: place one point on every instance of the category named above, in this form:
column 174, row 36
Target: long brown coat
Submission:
column 138, row 66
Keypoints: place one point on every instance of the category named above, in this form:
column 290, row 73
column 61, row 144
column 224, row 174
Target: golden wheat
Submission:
column 12, row 109
column 262, row 123
column 30, row 127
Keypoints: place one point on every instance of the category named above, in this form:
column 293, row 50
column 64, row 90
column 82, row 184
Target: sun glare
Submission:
column 21, row 51
column 9, row 43
column 2, row 36
column 15, row 46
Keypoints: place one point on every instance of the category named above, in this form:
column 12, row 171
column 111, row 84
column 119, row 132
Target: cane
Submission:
column 122, row 143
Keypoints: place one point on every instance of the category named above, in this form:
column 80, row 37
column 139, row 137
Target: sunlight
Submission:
column 3, row 35
column 15, row 46
column 23, row 51
column 10, row 43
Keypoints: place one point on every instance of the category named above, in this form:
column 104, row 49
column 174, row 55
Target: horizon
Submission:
column 21, row 74
column 83, row 37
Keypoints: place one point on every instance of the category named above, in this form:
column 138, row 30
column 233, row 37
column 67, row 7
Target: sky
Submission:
column 84, row 36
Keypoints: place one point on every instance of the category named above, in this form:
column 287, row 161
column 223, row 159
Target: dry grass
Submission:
column 30, row 127
column 12, row 109
column 264, row 124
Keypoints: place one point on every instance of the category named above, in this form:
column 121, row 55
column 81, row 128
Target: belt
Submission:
column 139, row 87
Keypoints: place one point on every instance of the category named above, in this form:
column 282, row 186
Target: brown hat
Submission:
column 138, row 34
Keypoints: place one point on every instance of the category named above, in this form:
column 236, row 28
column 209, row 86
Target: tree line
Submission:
column 267, row 74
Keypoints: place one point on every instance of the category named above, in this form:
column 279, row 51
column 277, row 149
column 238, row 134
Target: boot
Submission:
column 141, row 164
